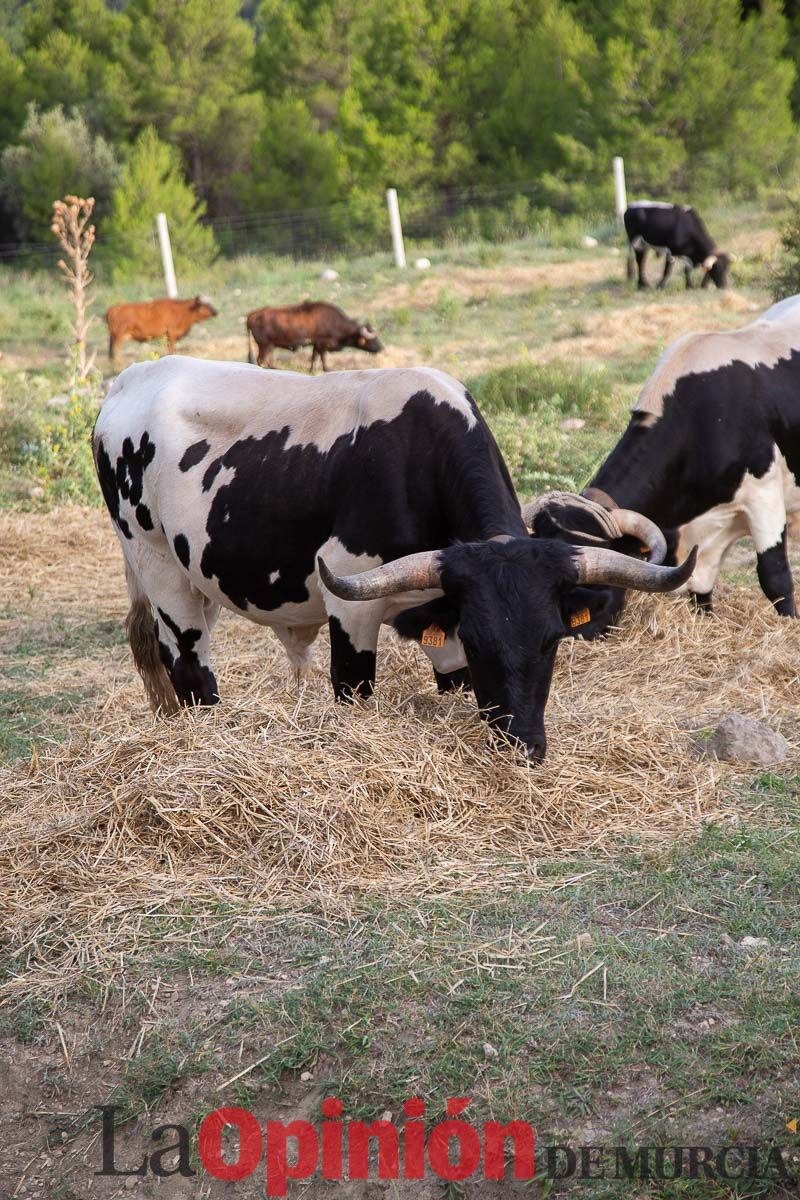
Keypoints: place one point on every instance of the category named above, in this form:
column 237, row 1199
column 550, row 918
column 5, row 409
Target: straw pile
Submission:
column 280, row 797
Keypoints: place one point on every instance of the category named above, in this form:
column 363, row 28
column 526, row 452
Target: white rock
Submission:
column 306, row 1077
column 422, row 264
column 36, row 493
column 329, row 274
column 490, row 1051
column 753, row 943
column 583, row 940
column 571, row 424
column 741, row 739
column 387, row 1116
column 588, row 242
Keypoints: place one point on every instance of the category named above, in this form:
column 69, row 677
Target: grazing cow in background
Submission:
column 312, row 323
column 345, row 499
column 170, row 319
column 712, row 451
column 678, row 231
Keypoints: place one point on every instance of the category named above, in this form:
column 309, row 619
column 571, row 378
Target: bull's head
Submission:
column 202, row 308
column 592, row 519
column 716, row 269
column 367, row 339
column 509, row 596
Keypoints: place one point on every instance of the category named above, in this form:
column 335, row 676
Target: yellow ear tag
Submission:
column 581, row 617
column 433, row 636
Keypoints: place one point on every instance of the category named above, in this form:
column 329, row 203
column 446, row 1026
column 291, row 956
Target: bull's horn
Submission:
column 415, row 572
column 633, row 523
column 709, row 262
column 648, row 533
column 557, row 500
column 611, row 569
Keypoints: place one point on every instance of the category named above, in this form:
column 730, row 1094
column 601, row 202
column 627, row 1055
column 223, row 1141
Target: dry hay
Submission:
column 280, row 797
column 645, row 327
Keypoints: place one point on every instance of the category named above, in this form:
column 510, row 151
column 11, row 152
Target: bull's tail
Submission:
column 140, row 627
column 250, row 358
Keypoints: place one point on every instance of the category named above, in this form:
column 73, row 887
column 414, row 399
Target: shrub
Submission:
column 527, row 387
column 60, row 457
column 56, row 155
column 525, row 404
column 786, row 276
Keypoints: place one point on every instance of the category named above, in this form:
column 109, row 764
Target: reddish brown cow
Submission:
column 312, row 323
column 170, row 319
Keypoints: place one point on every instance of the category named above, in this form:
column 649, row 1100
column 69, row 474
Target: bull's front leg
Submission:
column 775, row 577
column 354, row 644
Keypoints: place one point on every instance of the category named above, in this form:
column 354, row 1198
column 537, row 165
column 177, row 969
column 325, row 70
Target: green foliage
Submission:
column 695, row 97
column 525, row 404
column 57, row 155
column 526, row 387
column 60, row 457
column 310, row 103
column 71, row 56
column 786, row 277
column 295, row 163
column 151, row 182
column 190, row 68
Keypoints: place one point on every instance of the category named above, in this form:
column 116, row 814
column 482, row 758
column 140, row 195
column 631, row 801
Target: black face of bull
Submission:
column 509, row 600
column 718, row 274
column 509, row 596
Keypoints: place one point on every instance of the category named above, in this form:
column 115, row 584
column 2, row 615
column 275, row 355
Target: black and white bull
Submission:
column 677, row 230
column 345, row 500
column 712, row 454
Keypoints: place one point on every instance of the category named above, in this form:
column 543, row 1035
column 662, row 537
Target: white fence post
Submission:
column 166, row 256
column 620, row 196
column 397, row 228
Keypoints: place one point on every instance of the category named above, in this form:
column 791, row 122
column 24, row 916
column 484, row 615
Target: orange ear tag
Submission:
column 581, row 617
column 433, row 636
column 645, row 550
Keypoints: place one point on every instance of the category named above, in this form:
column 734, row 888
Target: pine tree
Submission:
column 151, row 182
column 190, row 67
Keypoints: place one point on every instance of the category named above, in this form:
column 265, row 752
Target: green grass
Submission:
column 30, row 710
column 622, row 1006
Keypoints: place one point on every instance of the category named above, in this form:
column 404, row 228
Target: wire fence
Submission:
column 360, row 227
column 458, row 214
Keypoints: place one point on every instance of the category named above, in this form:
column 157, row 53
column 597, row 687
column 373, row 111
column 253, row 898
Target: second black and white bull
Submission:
column 711, row 454
column 345, row 500
column 678, row 231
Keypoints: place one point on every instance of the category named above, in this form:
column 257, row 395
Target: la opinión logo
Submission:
column 453, row 1149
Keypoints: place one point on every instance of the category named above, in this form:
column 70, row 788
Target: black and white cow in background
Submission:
column 712, row 454
column 675, row 229
column 345, row 500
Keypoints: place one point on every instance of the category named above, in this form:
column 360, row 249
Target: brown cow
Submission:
column 312, row 323
column 152, row 319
